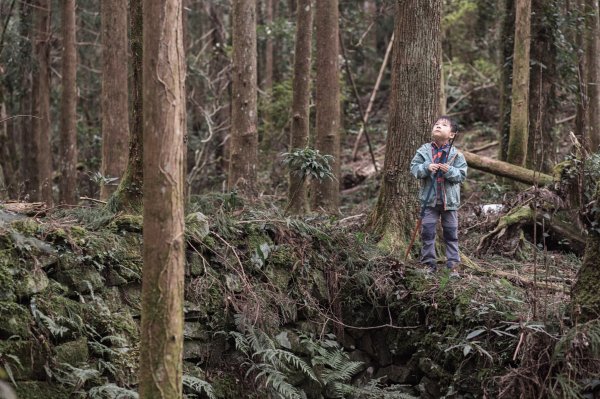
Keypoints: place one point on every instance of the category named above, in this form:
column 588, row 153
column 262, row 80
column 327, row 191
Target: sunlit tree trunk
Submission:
column 414, row 105
column 128, row 196
column 115, row 101
column 298, row 203
column 325, row 194
column 68, row 112
column 519, row 110
column 41, row 128
column 244, row 134
column 593, row 73
column 542, row 104
column 161, row 331
column 507, row 38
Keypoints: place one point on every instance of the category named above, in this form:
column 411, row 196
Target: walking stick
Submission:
column 423, row 205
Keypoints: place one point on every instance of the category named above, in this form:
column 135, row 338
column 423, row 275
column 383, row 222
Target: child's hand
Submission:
column 433, row 167
column 444, row 167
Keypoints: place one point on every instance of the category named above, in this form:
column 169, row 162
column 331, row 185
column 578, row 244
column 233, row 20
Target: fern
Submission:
column 112, row 391
column 198, row 386
column 283, row 358
column 74, row 376
column 276, row 380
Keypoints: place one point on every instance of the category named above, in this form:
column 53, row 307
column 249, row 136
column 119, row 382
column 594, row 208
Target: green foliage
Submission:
column 111, row 391
column 198, row 386
column 309, row 163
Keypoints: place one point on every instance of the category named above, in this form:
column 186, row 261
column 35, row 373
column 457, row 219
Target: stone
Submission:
column 73, row 352
column 14, row 320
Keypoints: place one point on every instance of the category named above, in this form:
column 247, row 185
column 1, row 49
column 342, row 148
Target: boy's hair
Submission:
column 453, row 123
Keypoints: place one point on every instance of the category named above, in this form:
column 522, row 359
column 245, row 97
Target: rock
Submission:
column 73, row 352
column 429, row 388
column 41, row 389
column 14, row 320
column 82, row 280
column 196, row 226
column 397, row 374
column 31, row 282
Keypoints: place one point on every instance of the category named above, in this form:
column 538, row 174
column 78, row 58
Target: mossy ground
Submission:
column 318, row 276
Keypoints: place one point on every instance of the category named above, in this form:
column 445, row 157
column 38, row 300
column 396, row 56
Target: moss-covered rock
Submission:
column 41, row 389
column 73, row 352
column 84, row 280
column 14, row 320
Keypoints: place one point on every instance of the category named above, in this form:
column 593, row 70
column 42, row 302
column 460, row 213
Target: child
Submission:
column 441, row 165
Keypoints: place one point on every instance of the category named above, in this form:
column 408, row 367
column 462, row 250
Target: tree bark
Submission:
column 414, row 105
column 128, row 196
column 115, row 107
column 593, row 74
column 297, row 198
column 42, row 181
column 68, row 112
column 505, row 169
column 519, row 113
column 327, row 101
column 161, row 345
column 268, row 79
column 506, row 71
column 244, row 133
column 25, row 158
column 542, row 107
column 586, row 291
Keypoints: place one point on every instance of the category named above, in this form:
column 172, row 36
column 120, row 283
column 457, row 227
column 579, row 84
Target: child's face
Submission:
column 441, row 131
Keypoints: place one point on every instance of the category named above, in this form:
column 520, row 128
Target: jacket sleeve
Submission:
column 457, row 172
column 419, row 165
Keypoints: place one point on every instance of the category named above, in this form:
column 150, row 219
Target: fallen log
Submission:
column 505, row 169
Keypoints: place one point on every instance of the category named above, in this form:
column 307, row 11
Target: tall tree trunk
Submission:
column 542, row 107
column 581, row 117
column 586, row 291
column 414, row 105
column 42, row 182
column 244, row 134
column 68, row 112
column 298, row 203
column 519, row 110
column 506, row 70
column 128, row 196
column 24, row 138
column 115, row 108
column 327, row 101
column 161, row 345
column 593, row 74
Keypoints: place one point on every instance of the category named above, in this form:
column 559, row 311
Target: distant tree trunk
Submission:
column 593, row 73
column 298, row 203
column 586, row 291
column 68, row 112
column 161, row 331
column 519, row 110
column 414, row 105
column 507, row 36
column 542, row 106
column 128, row 196
column 327, row 101
column 244, row 134
column 115, row 101
column 27, row 164
column 581, row 116
column 268, row 79
column 42, row 181
column 7, row 153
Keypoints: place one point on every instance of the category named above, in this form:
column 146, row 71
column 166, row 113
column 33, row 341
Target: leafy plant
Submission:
column 198, row 386
column 307, row 162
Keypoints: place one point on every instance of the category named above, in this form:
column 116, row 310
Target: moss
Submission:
column 125, row 222
column 41, row 389
column 15, row 320
column 73, row 352
column 83, row 280
column 28, row 227
column 78, row 232
column 7, row 284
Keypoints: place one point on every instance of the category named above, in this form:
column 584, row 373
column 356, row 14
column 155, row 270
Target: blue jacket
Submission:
column 456, row 174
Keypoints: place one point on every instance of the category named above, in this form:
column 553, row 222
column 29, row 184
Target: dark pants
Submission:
column 428, row 233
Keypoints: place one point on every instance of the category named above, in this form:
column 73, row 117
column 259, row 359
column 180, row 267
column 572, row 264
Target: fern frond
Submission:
column 198, row 386
column 112, row 391
column 283, row 358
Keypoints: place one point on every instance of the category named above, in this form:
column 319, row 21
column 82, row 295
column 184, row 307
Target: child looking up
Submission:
column 441, row 169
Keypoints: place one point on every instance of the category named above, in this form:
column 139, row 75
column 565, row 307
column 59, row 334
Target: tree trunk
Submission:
column 244, row 134
column 506, row 70
column 581, row 117
column 327, row 101
column 586, row 291
column 128, row 196
column 519, row 110
column 68, row 112
column 414, row 103
column 542, row 107
column 25, row 158
column 41, row 129
column 268, row 79
column 593, row 74
column 508, row 170
column 161, row 344
column 115, row 107
column 298, row 203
